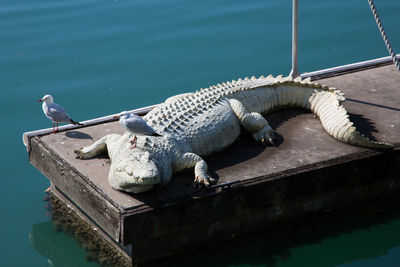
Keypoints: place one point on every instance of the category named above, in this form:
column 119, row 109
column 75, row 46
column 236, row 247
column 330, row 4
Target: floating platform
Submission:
column 258, row 186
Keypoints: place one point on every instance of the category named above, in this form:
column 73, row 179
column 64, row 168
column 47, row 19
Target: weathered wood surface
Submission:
column 77, row 188
column 257, row 185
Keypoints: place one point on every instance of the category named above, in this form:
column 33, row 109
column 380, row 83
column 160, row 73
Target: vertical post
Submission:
column 294, row 72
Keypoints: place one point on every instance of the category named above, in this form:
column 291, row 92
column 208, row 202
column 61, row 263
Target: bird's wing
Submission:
column 138, row 125
column 57, row 113
column 148, row 130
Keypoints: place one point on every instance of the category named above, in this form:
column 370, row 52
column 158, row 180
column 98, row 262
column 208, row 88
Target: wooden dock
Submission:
column 258, row 186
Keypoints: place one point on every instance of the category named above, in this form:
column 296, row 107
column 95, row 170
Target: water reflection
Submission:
column 59, row 248
column 70, row 241
column 363, row 235
column 367, row 235
column 366, row 247
column 78, row 135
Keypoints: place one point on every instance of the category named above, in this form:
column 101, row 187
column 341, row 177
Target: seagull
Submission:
column 136, row 125
column 55, row 112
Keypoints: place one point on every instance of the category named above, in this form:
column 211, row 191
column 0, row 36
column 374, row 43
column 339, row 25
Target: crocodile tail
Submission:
column 360, row 140
column 336, row 122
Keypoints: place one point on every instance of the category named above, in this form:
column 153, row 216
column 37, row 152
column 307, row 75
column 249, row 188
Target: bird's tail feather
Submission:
column 76, row 123
column 156, row 134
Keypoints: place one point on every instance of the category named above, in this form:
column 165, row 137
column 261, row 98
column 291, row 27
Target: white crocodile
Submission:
column 194, row 125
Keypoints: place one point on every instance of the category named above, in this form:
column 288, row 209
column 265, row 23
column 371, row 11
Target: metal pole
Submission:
column 294, row 72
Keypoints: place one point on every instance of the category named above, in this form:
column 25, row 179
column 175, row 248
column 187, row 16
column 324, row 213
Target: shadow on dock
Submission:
column 78, row 135
column 372, row 104
column 246, row 147
column 364, row 125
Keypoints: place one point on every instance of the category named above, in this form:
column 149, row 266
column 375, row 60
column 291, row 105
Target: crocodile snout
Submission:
column 136, row 175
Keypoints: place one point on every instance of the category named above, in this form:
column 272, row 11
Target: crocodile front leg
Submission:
column 97, row 148
column 188, row 160
column 253, row 122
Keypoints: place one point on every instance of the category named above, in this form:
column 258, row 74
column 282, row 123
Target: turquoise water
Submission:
column 101, row 57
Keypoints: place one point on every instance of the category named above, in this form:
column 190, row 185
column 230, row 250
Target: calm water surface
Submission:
column 101, row 57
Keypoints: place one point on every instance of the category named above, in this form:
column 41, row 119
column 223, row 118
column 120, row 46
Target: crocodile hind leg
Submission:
column 188, row 160
column 253, row 122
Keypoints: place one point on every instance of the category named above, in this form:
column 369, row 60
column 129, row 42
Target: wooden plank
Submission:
column 73, row 185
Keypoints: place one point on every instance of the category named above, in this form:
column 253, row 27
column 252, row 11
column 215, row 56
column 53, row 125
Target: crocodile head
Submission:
column 135, row 174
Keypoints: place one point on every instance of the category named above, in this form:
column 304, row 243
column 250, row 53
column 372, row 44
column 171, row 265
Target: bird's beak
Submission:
column 40, row 100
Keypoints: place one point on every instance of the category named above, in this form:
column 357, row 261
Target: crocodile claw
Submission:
column 265, row 135
column 268, row 141
column 80, row 154
column 203, row 181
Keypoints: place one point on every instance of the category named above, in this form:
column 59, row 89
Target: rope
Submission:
column 382, row 30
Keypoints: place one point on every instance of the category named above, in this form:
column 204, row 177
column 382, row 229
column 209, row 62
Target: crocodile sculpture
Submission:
column 194, row 125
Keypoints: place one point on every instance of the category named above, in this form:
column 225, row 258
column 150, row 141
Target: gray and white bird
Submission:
column 135, row 125
column 55, row 112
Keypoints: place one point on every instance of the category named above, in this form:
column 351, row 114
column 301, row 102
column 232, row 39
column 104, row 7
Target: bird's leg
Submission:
column 57, row 127
column 133, row 142
column 54, row 130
